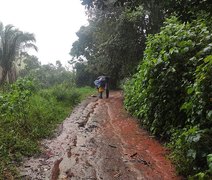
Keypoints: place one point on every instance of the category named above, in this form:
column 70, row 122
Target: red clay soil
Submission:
column 100, row 141
column 148, row 155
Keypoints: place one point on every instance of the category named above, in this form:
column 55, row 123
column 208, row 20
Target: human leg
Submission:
column 107, row 93
column 100, row 95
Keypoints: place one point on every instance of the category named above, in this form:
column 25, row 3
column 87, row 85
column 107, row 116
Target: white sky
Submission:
column 54, row 23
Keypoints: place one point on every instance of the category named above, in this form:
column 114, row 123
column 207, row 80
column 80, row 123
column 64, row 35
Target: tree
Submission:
column 186, row 10
column 112, row 43
column 27, row 64
column 154, row 9
column 58, row 64
column 49, row 75
column 83, row 76
column 12, row 43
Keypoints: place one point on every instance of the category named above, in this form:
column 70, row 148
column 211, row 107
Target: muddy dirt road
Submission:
column 100, row 141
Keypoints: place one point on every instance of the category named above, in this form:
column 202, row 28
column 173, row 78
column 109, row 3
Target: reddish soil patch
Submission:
column 146, row 154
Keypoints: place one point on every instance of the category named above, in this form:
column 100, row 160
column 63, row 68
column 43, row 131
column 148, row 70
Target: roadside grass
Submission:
column 86, row 91
column 37, row 116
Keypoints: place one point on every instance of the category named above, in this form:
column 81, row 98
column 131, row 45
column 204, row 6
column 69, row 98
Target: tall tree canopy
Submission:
column 185, row 9
column 156, row 10
column 113, row 42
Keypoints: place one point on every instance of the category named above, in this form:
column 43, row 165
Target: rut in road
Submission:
column 100, row 141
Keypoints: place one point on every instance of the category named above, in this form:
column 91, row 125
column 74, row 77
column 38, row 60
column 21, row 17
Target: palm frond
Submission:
column 12, row 42
column 27, row 37
column 30, row 45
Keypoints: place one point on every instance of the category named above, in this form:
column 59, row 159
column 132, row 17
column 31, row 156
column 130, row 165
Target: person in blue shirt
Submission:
column 102, row 83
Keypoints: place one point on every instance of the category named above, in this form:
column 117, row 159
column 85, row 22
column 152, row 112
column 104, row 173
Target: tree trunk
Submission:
column 12, row 75
column 4, row 76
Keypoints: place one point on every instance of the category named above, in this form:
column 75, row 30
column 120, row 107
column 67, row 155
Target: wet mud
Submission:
column 100, row 141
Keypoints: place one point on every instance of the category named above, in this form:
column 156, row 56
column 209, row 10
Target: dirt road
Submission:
column 100, row 141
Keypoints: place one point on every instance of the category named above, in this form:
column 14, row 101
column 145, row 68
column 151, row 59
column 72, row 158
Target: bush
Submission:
column 171, row 92
column 14, row 129
column 191, row 145
column 69, row 95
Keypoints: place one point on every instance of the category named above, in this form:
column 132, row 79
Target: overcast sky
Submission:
column 54, row 23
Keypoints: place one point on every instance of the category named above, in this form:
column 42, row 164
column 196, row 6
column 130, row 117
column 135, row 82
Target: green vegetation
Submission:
column 111, row 44
column 171, row 92
column 34, row 99
column 28, row 114
column 167, row 46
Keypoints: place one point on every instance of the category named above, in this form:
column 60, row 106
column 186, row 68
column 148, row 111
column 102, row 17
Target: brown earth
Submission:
column 100, row 141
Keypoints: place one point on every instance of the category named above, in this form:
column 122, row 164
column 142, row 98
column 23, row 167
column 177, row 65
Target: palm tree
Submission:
column 12, row 43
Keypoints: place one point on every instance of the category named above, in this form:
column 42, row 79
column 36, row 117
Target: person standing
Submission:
column 102, row 83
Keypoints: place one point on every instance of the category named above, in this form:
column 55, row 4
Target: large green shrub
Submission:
column 198, row 104
column 172, row 89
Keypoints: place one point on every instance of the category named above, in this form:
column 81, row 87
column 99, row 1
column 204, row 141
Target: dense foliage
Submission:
column 112, row 43
column 47, row 75
column 185, row 9
column 171, row 92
